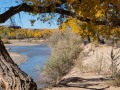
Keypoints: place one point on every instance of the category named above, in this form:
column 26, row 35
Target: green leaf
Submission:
column 32, row 22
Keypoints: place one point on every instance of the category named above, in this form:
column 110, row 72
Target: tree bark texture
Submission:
column 11, row 76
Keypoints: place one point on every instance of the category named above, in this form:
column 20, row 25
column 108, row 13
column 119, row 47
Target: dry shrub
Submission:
column 115, row 81
column 57, row 35
column 80, row 63
column 5, row 41
column 115, row 62
column 65, row 50
column 100, row 66
column 114, row 67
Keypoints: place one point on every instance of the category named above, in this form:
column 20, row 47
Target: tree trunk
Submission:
column 101, row 41
column 87, row 40
column 11, row 76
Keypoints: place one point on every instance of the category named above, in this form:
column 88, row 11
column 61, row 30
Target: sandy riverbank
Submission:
column 21, row 43
column 18, row 58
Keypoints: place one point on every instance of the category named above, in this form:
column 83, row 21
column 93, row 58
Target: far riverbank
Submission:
column 25, row 42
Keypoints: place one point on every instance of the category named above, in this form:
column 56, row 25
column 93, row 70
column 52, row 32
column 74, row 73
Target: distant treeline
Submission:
column 12, row 33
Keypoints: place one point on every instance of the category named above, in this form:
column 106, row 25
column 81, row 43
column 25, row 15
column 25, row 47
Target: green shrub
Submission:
column 62, row 57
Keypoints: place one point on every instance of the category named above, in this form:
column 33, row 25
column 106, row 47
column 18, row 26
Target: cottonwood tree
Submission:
column 94, row 12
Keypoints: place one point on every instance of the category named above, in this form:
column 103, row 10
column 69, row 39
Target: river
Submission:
column 37, row 56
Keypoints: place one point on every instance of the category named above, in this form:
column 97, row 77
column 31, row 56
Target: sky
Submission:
column 23, row 19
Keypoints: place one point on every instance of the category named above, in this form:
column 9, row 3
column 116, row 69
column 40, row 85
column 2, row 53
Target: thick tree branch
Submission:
column 30, row 8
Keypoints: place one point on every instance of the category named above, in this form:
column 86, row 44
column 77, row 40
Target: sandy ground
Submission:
column 25, row 42
column 18, row 58
column 20, row 43
column 94, row 58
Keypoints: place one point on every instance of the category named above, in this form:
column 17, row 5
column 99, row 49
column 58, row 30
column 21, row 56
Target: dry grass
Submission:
column 5, row 41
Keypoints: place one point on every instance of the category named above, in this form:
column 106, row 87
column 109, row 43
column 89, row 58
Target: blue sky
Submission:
column 25, row 17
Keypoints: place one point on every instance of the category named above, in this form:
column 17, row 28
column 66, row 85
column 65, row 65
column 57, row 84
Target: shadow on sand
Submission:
column 83, row 83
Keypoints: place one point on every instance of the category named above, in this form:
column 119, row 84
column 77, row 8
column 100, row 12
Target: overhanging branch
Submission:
column 29, row 8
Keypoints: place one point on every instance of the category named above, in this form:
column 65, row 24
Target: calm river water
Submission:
column 37, row 56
